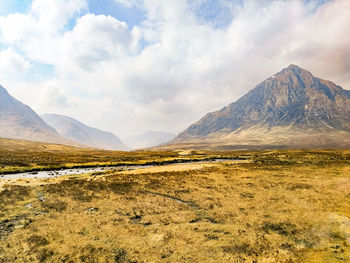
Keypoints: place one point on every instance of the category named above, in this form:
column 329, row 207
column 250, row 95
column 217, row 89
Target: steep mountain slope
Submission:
column 290, row 109
column 149, row 139
column 19, row 121
column 75, row 130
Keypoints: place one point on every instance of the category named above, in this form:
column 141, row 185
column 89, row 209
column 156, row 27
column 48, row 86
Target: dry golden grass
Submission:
column 283, row 206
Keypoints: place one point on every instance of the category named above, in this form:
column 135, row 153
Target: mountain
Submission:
column 149, row 139
column 75, row 130
column 291, row 109
column 19, row 121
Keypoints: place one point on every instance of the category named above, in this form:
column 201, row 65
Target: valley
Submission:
column 264, row 206
column 147, row 131
column 264, row 179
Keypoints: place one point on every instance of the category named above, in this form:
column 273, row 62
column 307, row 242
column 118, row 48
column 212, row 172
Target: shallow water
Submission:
column 77, row 171
column 73, row 171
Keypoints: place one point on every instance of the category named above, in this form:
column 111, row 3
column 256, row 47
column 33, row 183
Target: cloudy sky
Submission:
column 130, row 66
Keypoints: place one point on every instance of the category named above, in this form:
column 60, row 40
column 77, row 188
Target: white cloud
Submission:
column 130, row 3
column 96, row 39
column 173, row 68
column 52, row 96
column 55, row 14
column 38, row 33
column 12, row 65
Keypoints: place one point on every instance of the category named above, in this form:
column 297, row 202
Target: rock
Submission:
column 92, row 209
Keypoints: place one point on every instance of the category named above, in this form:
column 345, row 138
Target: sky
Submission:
column 129, row 66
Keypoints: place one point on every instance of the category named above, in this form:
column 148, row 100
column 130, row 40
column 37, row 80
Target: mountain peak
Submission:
column 294, row 70
column 292, row 74
column 292, row 99
column 295, row 67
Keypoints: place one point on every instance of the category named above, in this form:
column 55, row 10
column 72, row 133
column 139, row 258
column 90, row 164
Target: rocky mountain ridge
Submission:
column 19, row 121
column 290, row 109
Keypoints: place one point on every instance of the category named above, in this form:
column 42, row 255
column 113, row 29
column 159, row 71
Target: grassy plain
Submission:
column 279, row 206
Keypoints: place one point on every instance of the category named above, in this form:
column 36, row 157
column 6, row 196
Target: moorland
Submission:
column 253, row 206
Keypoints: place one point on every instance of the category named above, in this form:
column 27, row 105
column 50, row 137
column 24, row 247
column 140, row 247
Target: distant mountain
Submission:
column 149, row 139
column 75, row 130
column 19, row 121
column 292, row 109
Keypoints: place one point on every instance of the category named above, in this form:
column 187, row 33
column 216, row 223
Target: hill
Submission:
column 75, row 130
column 19, row 121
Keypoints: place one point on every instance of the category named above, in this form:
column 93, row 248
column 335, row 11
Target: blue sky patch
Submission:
column 132, row 16
column 8, row 7
column 216, row 13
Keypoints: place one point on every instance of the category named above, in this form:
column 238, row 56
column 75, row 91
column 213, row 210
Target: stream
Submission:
column 79, row 171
